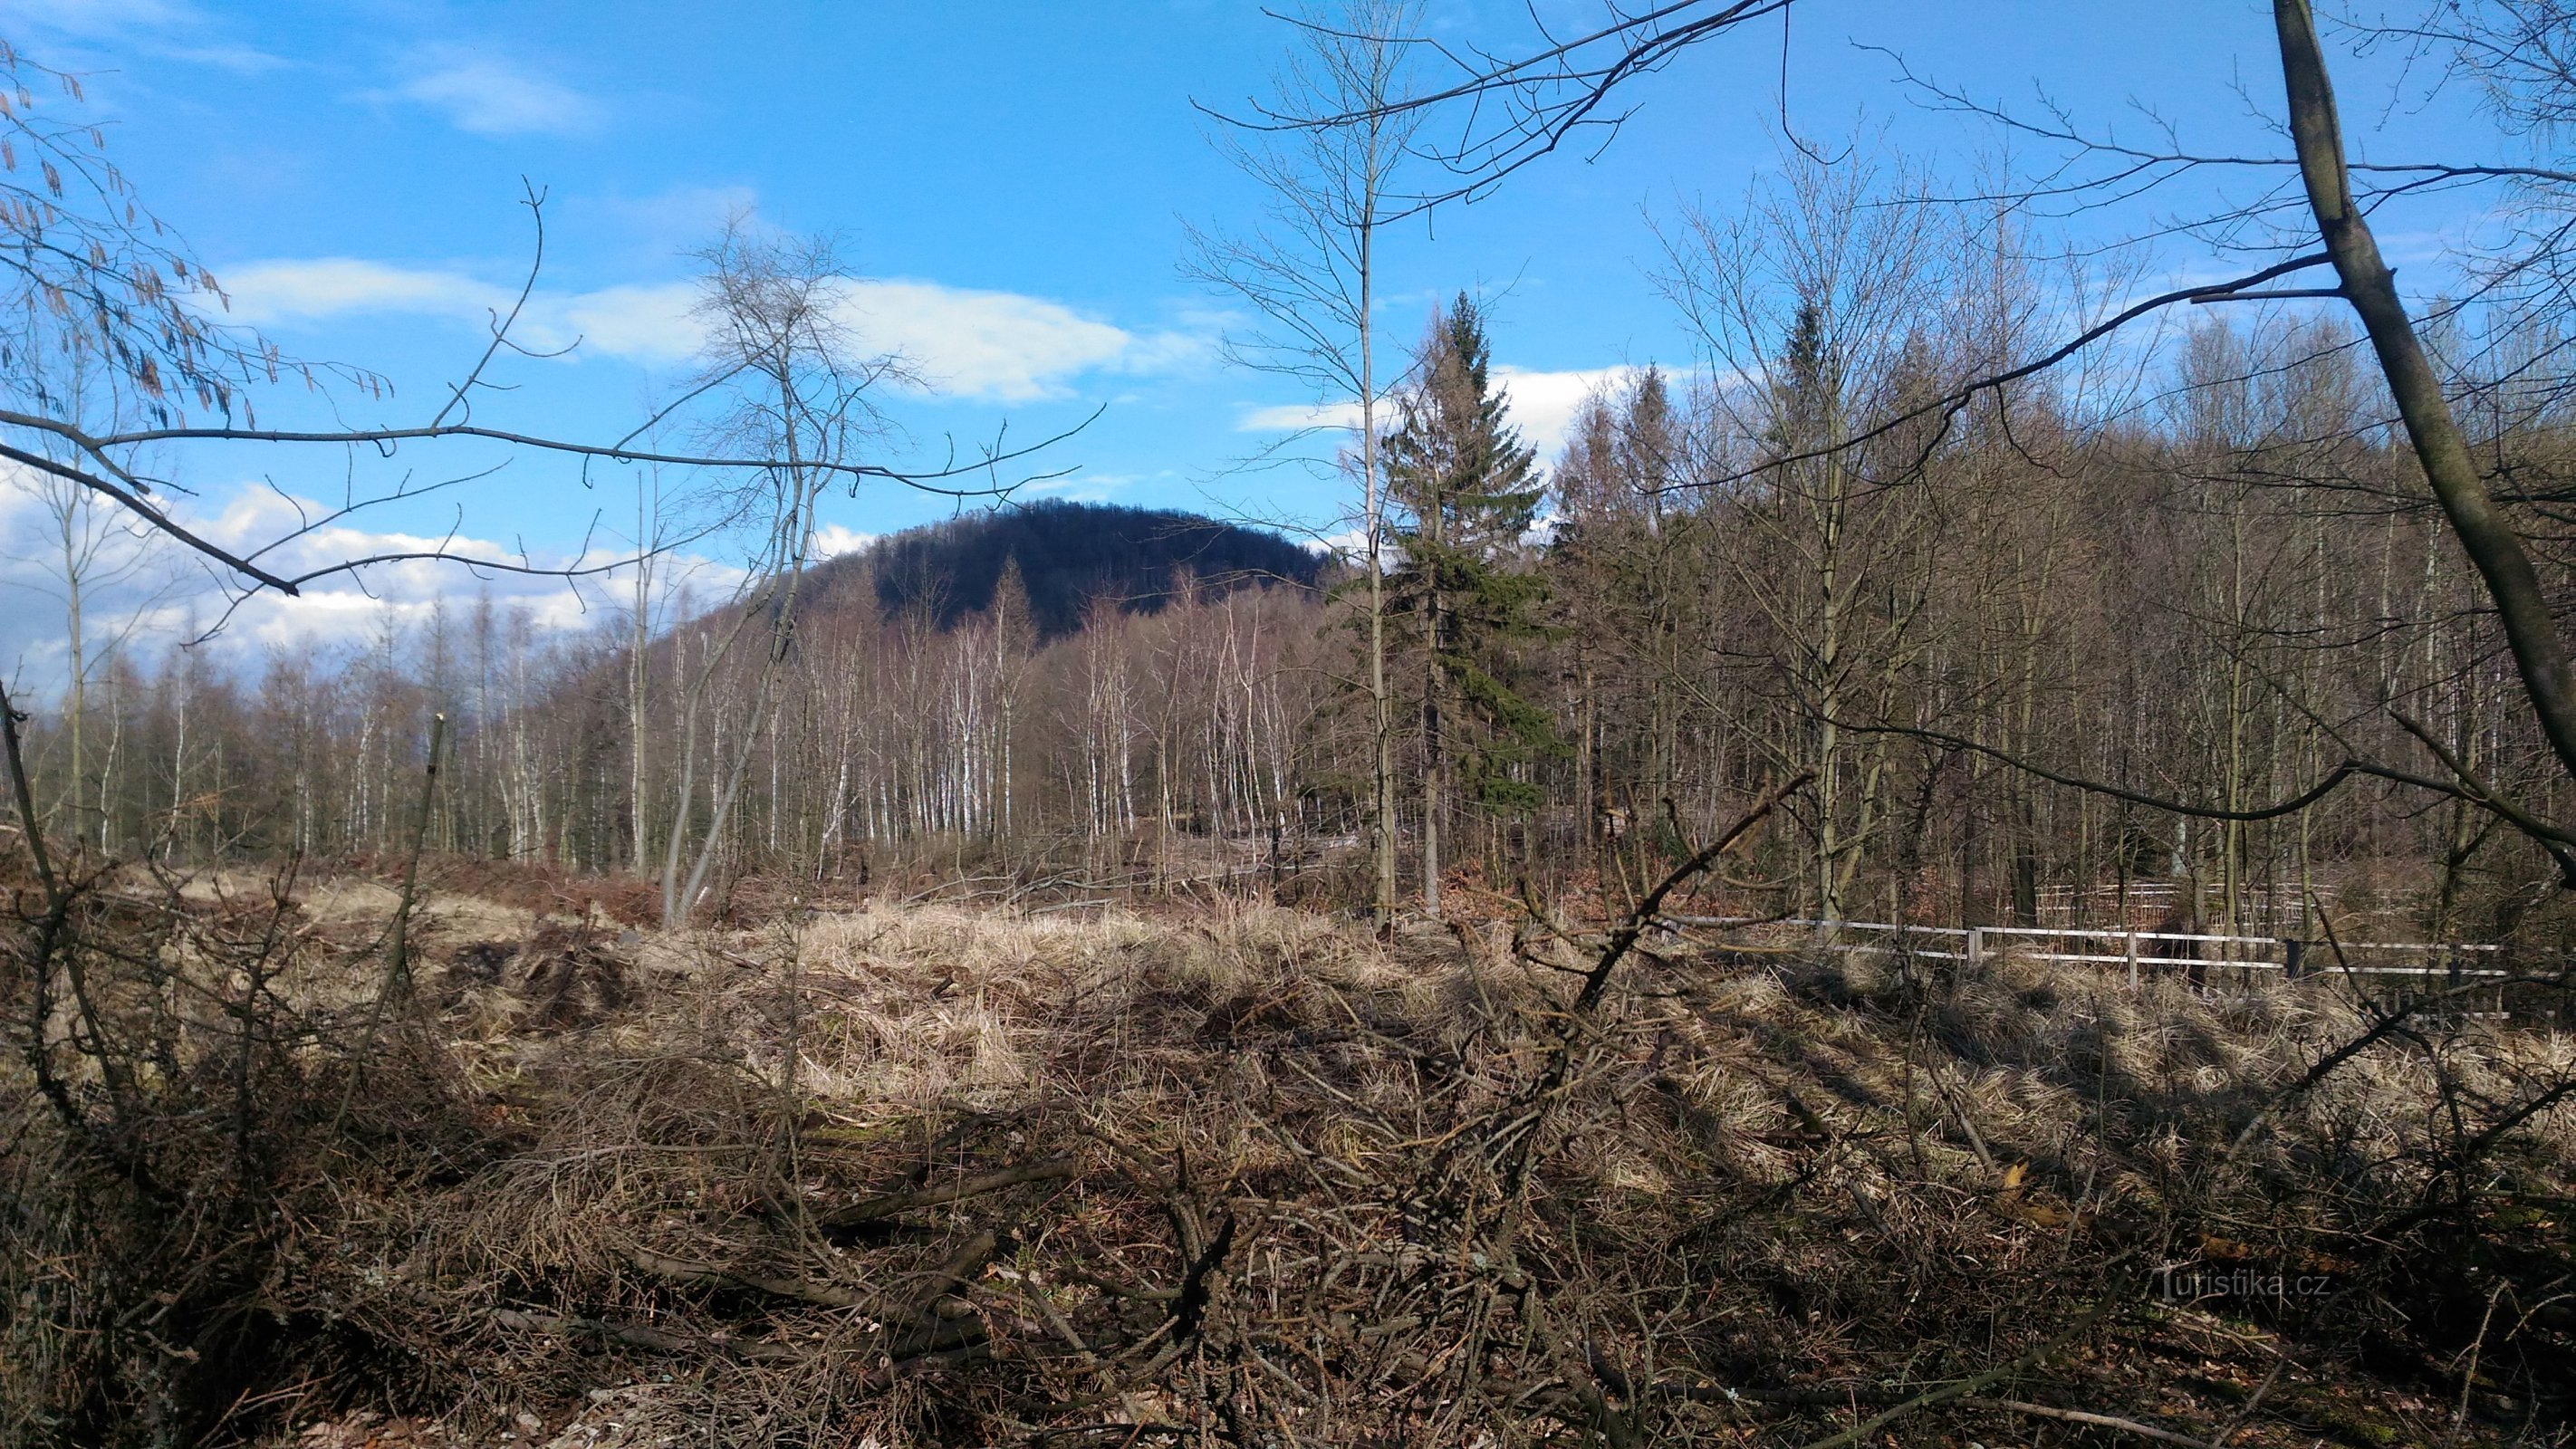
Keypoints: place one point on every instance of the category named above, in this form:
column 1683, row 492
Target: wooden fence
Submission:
column 2253, row 958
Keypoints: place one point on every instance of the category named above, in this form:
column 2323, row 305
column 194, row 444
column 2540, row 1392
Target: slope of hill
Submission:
column 1072, row 553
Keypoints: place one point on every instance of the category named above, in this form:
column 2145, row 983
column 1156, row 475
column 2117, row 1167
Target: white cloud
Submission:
column 657, row 225
column 171, row 595
column 646, row 322
column 239, row 59
column 1174, row 351
column 650, row 323
column 95, row 18
column 345, row 608
column 1542, row 405
column 497, row 98
column 126, row 571
column 21, row 495
column 1083, row 488
column 268, row 293
column 1003, row 346
column 158, row 594
column 981, row 344
column 1297, row 417
column 172, row 28
column 833, row 540
column 1350, row 546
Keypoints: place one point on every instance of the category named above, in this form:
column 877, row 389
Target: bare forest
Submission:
column 1987, row 858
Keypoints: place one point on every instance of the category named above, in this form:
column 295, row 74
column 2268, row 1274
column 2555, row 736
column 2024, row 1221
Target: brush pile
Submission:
column 936, row 1176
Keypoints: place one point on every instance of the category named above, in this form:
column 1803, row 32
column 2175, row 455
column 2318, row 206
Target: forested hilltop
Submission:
column 1070, row 557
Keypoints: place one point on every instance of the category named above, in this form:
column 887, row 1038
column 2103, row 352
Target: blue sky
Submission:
column 1014, row 176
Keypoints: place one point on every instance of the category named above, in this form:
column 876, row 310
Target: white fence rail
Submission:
column 2288, row 957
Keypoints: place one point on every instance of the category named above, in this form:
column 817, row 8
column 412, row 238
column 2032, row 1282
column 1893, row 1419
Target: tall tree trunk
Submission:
column 638, row 678
column 1373, row 509
column 1434, row 756
column 2485, row 535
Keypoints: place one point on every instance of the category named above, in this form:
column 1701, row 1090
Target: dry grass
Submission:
column 936, row 1175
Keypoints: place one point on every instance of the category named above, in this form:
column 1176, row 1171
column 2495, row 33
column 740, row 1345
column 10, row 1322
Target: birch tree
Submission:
column 801, row 389
column 1310, row 272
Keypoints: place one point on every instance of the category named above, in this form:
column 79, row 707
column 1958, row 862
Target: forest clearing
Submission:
column 1389, row 725
column 930, row 1173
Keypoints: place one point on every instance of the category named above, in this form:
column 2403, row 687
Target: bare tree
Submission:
column 1310, row 273
column 94, row 551
column 1816, row 295
column 105, row 571
column 800, row 389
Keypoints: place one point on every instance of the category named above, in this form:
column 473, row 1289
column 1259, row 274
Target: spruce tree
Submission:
column 1470, row 489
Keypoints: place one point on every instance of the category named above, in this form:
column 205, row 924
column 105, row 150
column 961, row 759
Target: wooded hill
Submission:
column 1070, row 555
